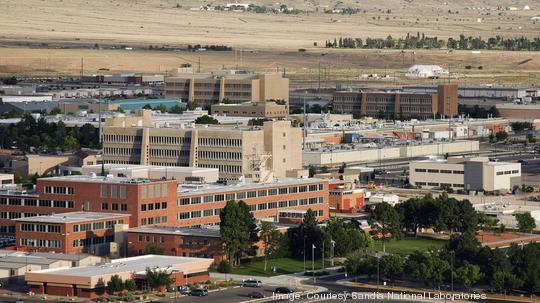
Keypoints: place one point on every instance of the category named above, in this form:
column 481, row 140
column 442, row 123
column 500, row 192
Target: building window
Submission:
column 114, row 206
column 104, row 206
column 123, row 207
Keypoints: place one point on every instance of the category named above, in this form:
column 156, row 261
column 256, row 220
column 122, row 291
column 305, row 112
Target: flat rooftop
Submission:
column 217, row 188
column 129, row 167
column 73, row 217
column 137, row 264
column 100, row 179
column 181, row 231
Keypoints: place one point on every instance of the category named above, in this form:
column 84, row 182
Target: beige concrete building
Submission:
column 266, row 109
column 519, row 111
column 335, row 155
column 235, row 151
column 470, row 174
column 234, row 85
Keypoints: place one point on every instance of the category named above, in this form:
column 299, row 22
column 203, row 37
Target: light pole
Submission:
column 378, row 272
column 452, row 270
column 313, row 262
column 304, row 253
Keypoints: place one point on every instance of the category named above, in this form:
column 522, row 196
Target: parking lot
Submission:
column 231, row 295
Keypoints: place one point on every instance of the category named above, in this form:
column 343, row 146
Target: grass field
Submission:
column 409, row 245
column 283, row 266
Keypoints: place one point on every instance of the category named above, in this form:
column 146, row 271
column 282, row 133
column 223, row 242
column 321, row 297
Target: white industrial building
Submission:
column 505, row 212
column 179, row 173
column 426, row 71
column 469, row 174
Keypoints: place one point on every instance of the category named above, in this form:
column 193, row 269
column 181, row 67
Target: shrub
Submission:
column 224, row 267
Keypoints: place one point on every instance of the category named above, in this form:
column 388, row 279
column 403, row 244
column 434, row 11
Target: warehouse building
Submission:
column 91, row 281
column 465, row 173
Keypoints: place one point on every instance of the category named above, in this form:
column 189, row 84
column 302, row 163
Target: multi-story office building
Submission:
column 469, row 174
column 235, row 151
column 69, row 233
column 237, row 86
column 391, row 105
column 160, row 203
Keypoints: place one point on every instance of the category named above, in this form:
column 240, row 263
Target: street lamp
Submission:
column 452, row 270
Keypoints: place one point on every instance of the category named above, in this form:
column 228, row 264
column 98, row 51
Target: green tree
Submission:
column 501, row 136
column 192, row 105
column 469, row 274
column 115, row 284
column 158, row 279
column 347, row 237
column 525, row 222
column 130, row 285
column 206, row 120
column 161, row 107
column 153, row 249
column 385, row 223
column 224, row 267
column 147, row 106
column 503, row 281
column 271, row 238
column 177, row 109
column 238, row 229
column 392, row 266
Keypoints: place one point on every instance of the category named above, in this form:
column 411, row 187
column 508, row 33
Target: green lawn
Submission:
column 406, row 246
column 283, row 266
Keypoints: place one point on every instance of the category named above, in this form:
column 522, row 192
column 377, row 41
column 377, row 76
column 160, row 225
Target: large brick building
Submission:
column 392, row 105
column 69, row 233
column 160, row 202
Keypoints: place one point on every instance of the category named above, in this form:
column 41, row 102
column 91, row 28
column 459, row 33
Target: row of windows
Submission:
column 157, row 190
column 437, row 184
column 416, row 109
column 121, row 138
column 507, row 172
column 154, row 220
column 92, row 241
column 215, row 155
column 168, row 153
column 154, row 206
column 96, row 225
column 220, row 142
column 43, row 228
column 441, row 171
column 113, row 191
column 298, row 215
column 233, row 169
column 252, row 207
column 170, row 140
column 17, row 215
column 114, row 206
column 121, row 151
column 40, row 243
column 251, row 194
column 59, row 190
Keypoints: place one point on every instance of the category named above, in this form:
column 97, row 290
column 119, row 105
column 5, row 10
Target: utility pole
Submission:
column 199, row 68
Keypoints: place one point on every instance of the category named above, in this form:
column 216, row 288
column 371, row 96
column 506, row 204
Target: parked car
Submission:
column 199, row 292
column 251, row 283
column 256, row 295
column 284, row 290
column 184, row 290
